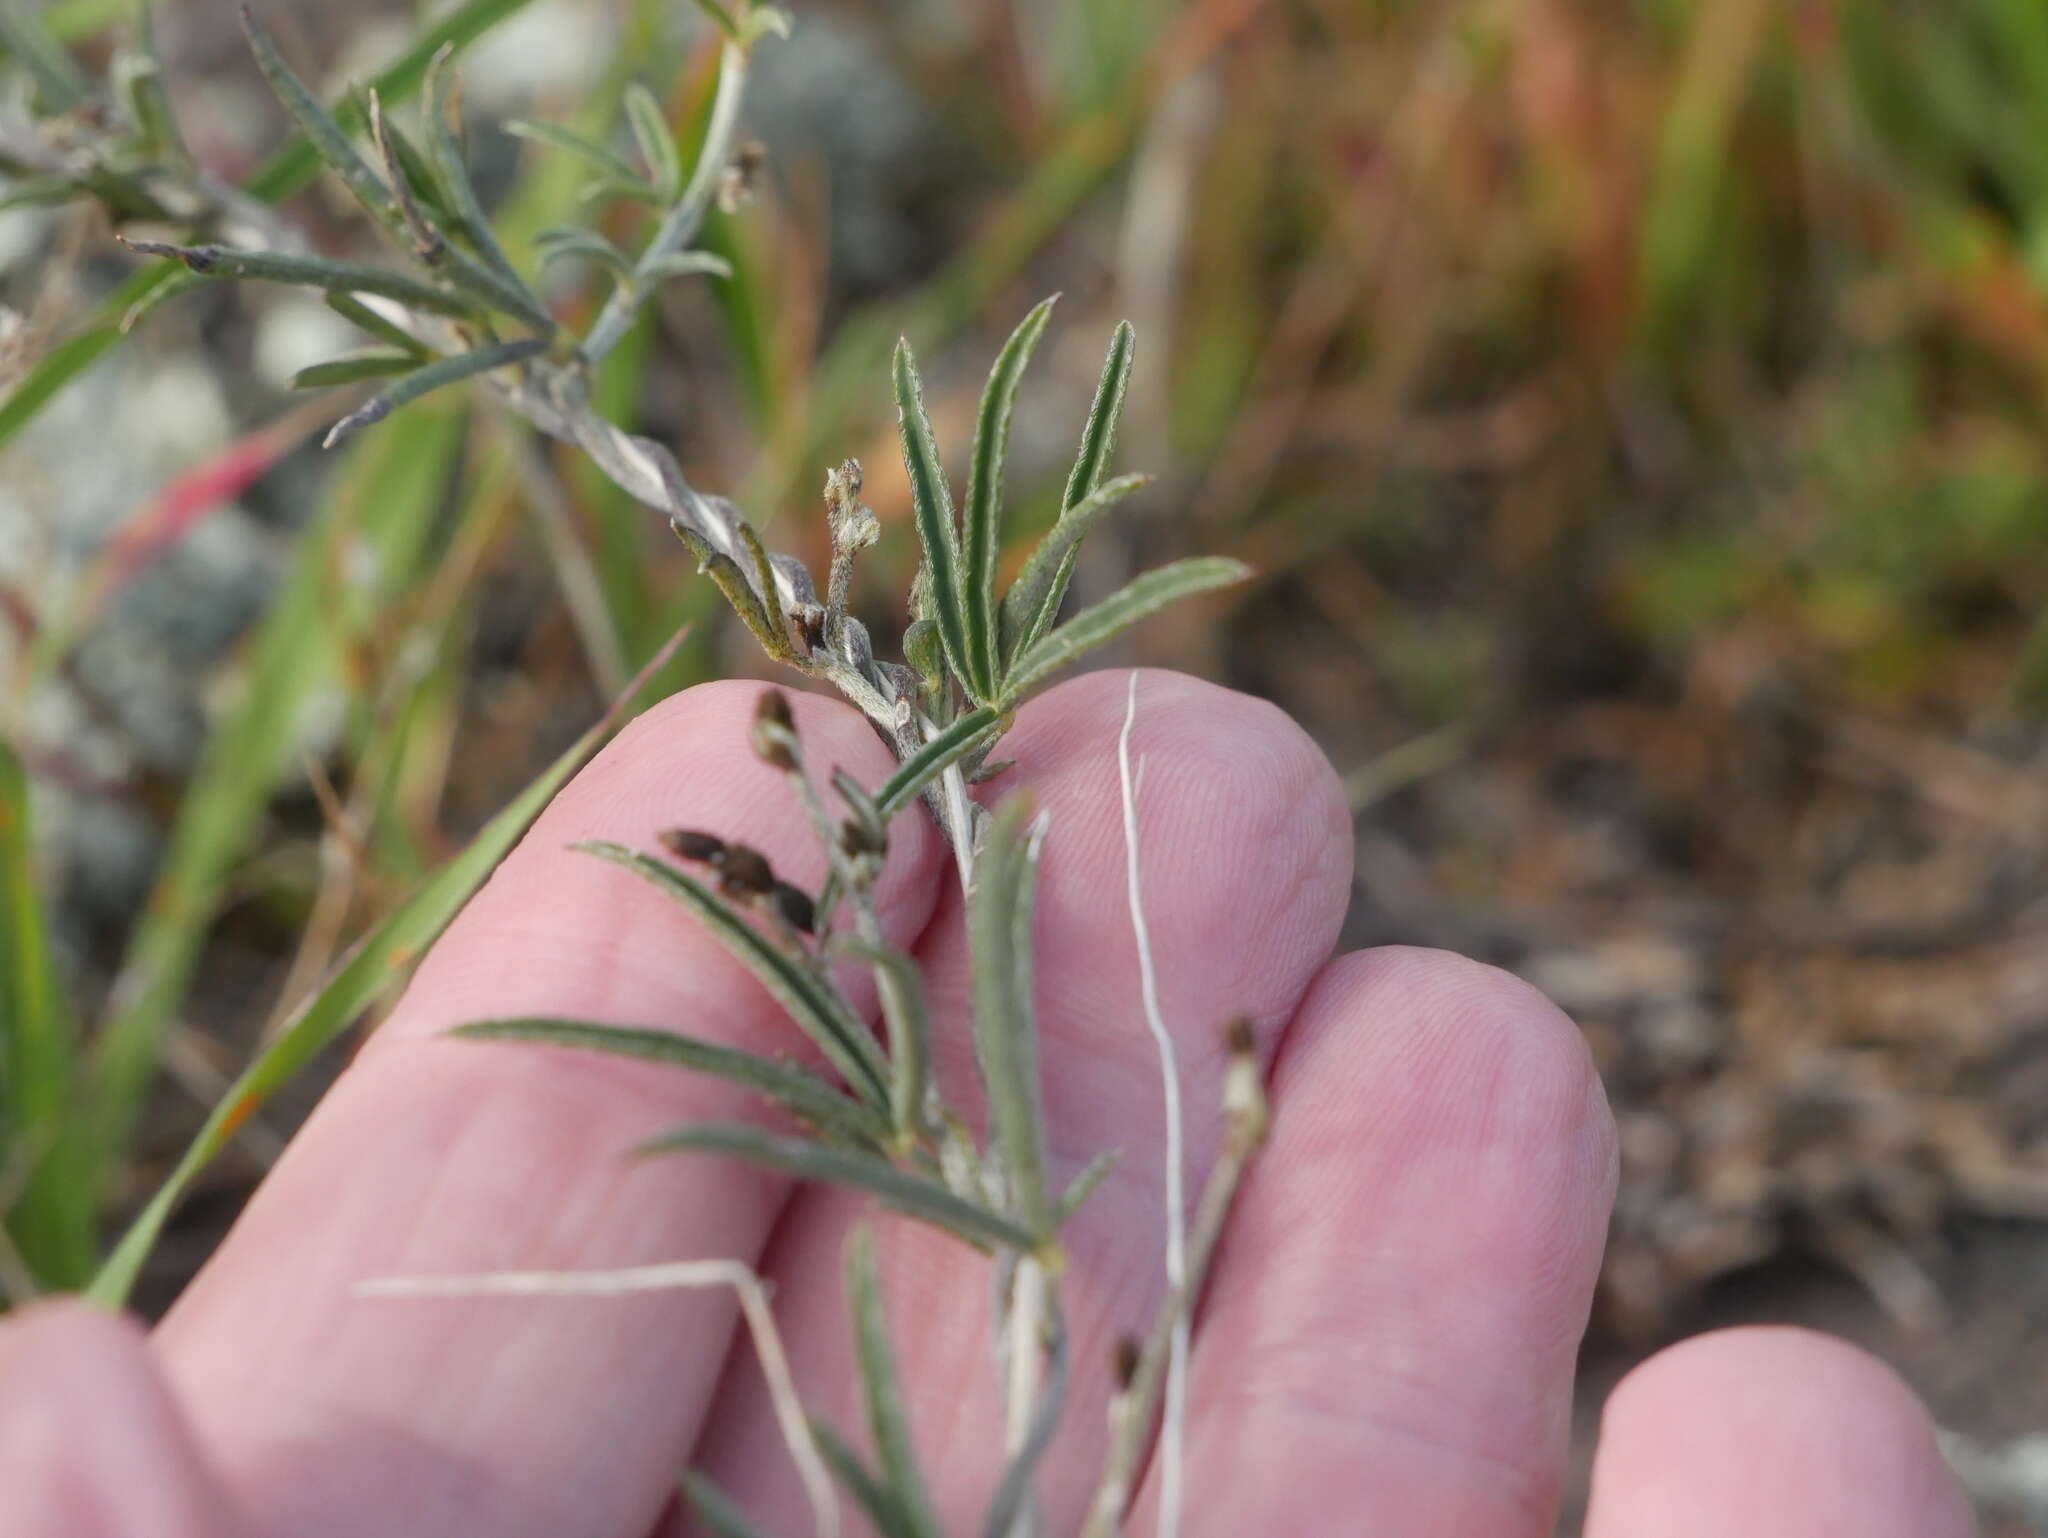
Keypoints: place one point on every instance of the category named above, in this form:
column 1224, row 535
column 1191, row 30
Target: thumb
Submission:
column 91, row 1445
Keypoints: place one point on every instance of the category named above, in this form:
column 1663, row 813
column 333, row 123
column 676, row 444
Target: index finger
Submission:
column 329, row 1413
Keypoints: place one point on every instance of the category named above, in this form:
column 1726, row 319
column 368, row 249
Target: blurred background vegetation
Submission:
column 1633, row 408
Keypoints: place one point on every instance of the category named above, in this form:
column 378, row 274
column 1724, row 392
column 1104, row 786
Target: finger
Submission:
column 1388, row 1338
column 338, row 1414
column 1246, row 850
column 91, row 1445
column 1770, row 1433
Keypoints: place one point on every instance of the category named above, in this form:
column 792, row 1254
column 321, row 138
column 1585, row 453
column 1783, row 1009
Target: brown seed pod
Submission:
column 795, row 906
column 1123, row 1361
column 688, row 844
column 743, row 871
column 773, row 707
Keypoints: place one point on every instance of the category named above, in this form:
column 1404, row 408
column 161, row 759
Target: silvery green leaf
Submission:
column 999, row 909
column 982, row 511
column 312, row 271
column 1085, row 1184
column 913, row 1195
column 810, row 1001
column 1033, row 601
column 933, row 504
column 561, row 243
column 341, row 371
column 714, row 1508
column 877, row 1504
column 1091, row 627
column 685, row 264
column 657, row 143
column 901, row 987
column 924, row 651
column 454, row 173
column 384, row 329
column 882, row 1392
column 607, row 161
column 797, row 1090
column 321, row 130
column 448, row 371
column 1098, row 447
column 971, row 731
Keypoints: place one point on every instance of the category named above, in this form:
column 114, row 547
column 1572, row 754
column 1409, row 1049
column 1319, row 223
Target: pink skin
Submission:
column 1388, row 1339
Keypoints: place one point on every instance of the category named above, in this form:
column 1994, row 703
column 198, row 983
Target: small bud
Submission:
column 744, row 871
column 774, row 732
column 1240, row 1036
column 773, row 705
column 1123, row 1362
column 795, row 906
column 688, row 844
column 860, row 841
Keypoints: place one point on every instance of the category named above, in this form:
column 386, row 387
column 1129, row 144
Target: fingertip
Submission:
column 1770, row 1430
column 90, row 1440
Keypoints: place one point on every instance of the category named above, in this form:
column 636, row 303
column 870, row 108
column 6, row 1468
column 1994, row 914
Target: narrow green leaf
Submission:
column 971, row 731
column 1098, row 447
column 607, row 161
column 686, row 264
column 913, row 1195
column 60, row 80
column 999, row 910
column 311, row 271
column 908, row 1017
column 715, row 1509
column 866, row 1488
column 560, row 243
column 797, row 1090
column 341, row 371
column 657, row 144
column 982, row 513
column 378, row 963
column 1033, row 601
column 933, row 504
column 882, row 1391
column 811, row 1002
column 1140, row 597
column 433, row 377
column 1085, row 1184
column 322, row 132
column 353, row 309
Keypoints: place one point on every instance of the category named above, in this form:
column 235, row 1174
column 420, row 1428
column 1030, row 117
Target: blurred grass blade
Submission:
column 907, row 1016
column 970, row 732
column 933, row 504
column 342, row 371
column 714, row 1508
column 811, row 1002
column 1033, row 601
column 982, row 512
column 380, row 961
column 433, row 377
column 882, row 1391
column 999, row 910
column 877, row 1504
column 281, row 177
column 797, row 1090
column 312, row 272
column 323, row 134
column 60, row 80
column 1091, row 464
column 53, row 1219
column 1142, row 596
column 913, row 1195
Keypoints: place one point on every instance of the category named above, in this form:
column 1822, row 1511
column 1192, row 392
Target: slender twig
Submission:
column 1172, row 1435
column 668, row 1277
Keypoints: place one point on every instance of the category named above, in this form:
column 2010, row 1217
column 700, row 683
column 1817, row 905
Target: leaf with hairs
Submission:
column 470, row 216
column 322, row 132
column 796, row 1089
column 433, row 377
column 999, row 909
column 656, row 142
column 973, row 730
column 981, row 516
column 908, row 1019
column 810, row 1001
column 1033, row 601
column 933, row 504
column 1134, row 601
column 1098, row 447
column 913, row 1195
column 312, row 272
column 882, row 1391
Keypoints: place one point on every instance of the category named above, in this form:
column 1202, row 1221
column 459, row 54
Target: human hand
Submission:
column 1388, row 1336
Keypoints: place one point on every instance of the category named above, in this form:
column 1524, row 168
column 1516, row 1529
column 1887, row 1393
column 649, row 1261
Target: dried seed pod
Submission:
column 688, row 844
column 1123, row 1361
column 861, row 841
column 774, row 730
column 743, row 871
column 795, row 906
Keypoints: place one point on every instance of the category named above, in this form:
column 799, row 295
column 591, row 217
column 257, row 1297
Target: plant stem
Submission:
column 680, row 226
